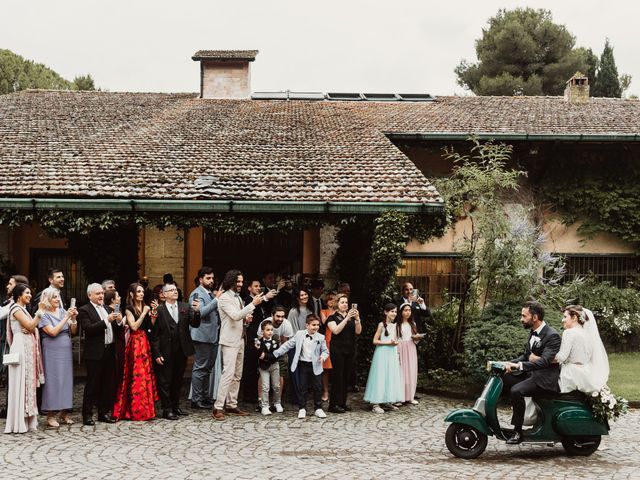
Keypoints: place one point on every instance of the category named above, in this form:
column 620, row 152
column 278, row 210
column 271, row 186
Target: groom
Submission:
column 526, row 378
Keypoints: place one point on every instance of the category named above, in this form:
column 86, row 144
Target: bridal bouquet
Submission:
column 606, row 406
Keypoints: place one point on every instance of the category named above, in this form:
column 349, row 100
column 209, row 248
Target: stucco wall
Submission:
column 4, row 242
column 226, row 80
column 328, row 249
column 163, row 253
column 559, row 239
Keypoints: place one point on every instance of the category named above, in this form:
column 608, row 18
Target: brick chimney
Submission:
column 577, row 89
column 225, row 73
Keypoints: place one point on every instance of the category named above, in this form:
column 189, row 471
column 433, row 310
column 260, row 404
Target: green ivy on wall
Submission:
column 603, row 193
column 58, row 223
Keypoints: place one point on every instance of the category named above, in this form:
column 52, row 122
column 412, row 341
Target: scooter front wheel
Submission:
column 465, row 441
column 581, row 446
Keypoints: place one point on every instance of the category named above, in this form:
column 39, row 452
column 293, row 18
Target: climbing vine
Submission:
column 604, row 193
column 59, row 223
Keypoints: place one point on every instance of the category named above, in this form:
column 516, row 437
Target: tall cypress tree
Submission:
column 607, row 81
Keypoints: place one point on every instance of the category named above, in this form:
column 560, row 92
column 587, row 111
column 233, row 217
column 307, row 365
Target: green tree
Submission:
column 607, row 80
column 474, row 191
column 523, row 53
column 18, row 73
column 592, row 70
column 83, row 82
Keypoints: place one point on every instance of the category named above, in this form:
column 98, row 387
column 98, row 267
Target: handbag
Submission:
column 11, row 359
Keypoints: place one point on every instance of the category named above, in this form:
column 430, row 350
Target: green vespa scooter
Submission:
column 561, row 418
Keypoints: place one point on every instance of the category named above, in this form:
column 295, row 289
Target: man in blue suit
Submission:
column 310, row 353
column 205, row 339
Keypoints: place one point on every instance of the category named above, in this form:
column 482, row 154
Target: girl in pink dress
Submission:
column 408, row 337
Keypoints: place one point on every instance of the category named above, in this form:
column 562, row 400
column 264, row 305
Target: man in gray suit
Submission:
column 205, row 339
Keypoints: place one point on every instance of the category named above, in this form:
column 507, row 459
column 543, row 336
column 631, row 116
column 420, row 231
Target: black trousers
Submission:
column 292, row 382
column 520, row 386
column 342, row 364
column 249, row 381
column 306, row 379
column 169, row 378
column 100, row 389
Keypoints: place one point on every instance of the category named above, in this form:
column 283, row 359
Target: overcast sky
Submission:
column 329, row 45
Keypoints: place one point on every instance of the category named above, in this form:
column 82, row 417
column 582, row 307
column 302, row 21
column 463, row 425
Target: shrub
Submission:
column 496, row 335
column 436, row 351
column 617, row 312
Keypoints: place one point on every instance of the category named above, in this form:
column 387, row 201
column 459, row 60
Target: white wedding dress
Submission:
column 583, row 358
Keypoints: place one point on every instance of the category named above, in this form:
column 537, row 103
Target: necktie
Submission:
column 317, row 312
column 174, row 312
column 309, row 336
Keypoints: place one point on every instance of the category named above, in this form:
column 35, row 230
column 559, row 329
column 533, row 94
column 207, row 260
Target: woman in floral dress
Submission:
column 137, row 392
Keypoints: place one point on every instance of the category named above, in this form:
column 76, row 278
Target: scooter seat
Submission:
column 576, row 395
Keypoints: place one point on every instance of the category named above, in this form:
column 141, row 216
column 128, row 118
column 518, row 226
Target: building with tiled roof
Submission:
column 222, row 150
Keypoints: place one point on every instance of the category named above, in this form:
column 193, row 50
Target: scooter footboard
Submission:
column 466, row 416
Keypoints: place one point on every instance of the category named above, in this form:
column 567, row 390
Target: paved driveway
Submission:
column 400, row 445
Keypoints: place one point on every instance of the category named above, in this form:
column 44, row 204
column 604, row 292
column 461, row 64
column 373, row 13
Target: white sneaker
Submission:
column 265, row 411
column 302, row 413
column 320, row 413
column 377, row 409
column 414, row 402
column 279, row 408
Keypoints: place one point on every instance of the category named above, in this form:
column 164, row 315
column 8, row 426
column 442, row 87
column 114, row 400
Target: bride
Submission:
column 582, row 356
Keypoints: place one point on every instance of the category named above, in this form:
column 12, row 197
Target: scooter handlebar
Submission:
column 496, row 366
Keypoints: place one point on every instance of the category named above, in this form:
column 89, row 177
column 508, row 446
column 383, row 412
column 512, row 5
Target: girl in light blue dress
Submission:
column 385, row 382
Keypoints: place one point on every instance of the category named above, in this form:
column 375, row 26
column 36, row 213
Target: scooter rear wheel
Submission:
column 581, row 446
column 465, row 441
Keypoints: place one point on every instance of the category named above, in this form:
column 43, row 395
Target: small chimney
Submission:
column 577, row 89
column 225, row 73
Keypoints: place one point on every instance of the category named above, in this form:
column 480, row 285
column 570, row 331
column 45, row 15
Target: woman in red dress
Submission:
column 137, row 391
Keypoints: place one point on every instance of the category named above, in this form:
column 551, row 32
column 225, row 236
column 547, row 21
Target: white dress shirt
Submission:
column 306, row 354
column 102, row 313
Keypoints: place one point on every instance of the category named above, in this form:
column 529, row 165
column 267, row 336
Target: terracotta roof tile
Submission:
column 177, row 146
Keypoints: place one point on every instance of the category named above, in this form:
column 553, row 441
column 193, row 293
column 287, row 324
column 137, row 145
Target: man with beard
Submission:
column 205, row 339
column 234, row 317
column 528, row 378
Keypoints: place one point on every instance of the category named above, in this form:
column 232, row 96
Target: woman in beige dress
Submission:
column 27, row 374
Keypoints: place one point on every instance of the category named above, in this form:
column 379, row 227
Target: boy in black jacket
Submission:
column 269, row 368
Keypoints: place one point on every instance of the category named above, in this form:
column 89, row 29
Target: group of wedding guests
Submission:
column 136, row 353
column 124, row 376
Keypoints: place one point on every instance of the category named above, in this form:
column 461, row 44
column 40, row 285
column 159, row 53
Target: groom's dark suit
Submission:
column 535, row 377
column 172, row 341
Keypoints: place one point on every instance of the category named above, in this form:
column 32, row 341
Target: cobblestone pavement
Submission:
column 403, row 445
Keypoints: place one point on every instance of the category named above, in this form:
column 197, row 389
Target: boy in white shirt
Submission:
column 310, row 352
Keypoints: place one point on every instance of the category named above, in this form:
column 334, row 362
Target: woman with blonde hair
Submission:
column 57, row 326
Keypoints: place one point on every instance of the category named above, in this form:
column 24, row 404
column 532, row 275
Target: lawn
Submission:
column 623, row 377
